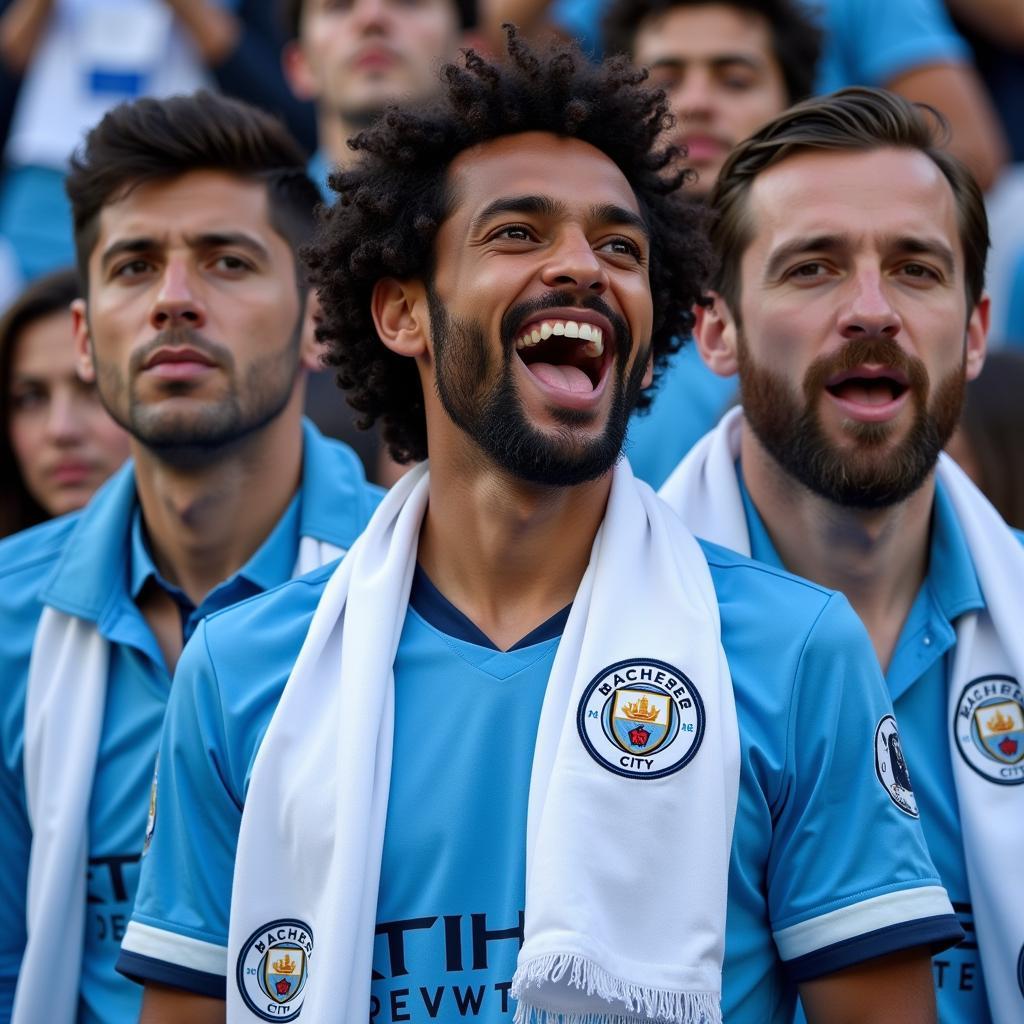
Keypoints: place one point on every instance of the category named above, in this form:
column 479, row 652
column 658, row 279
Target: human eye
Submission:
column 513, row 233
column 737, row 77
column 919, row 272
column 232, row 263
column 622, row 246
column 27, row 397
column 134, row 267
column 812, row 270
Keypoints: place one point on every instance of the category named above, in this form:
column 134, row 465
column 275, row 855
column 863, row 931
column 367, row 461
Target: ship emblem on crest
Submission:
column 641, row 718
column 988, row 726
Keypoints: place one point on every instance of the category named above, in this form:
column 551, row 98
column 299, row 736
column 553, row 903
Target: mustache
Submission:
column 868, row 349
column 523, row 311
column 182, row 337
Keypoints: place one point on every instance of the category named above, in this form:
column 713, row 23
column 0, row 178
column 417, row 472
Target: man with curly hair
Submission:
column 531, row 758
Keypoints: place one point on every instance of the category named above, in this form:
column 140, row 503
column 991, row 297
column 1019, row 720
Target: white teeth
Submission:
column 535, row 336
column 590, row 333
column 572, row 329
column 558, row 328
column 546, row 330
column 586, row 332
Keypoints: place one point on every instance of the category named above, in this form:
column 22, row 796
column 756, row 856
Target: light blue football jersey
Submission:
column 819, row 844
column 93, row 564
column 918, row 678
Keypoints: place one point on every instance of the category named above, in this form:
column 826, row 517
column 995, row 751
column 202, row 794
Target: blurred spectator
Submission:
column 726, row 68
column 59, row 443
column 912, row 48
column 352, row 60
column 79, row 58
column 990, row 441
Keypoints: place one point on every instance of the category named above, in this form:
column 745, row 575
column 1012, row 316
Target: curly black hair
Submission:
column 394, row 199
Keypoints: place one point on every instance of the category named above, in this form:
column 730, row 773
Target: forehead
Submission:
column 571, row 172
column 704, row 32
column 883, row 193
column 196, row 203
column 44, row 346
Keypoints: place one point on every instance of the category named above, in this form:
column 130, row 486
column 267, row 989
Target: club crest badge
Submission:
column 151, row 817
column 641, row 718
column 988, row 727
column 273, row 968
column 891, row 766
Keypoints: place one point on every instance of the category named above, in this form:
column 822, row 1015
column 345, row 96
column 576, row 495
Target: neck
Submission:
column 205, row 523
column 333, row 133
column 508, row 554
column 877, row 558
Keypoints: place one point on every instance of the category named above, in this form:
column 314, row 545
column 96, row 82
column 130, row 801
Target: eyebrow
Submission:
column 206, row 240
column 834, row 243
column 718, row 61
column 545, row 206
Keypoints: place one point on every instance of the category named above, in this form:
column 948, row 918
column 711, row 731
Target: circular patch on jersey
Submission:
column 891, row 766
column 151, row 817
column 989, row 728
column 641, row 718
column 273, row 968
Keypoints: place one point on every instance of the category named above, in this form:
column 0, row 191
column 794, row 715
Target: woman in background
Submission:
column 58, row 442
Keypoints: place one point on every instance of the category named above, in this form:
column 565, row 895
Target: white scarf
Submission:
column 312, row 831
column 64, row 705
column 704, row 490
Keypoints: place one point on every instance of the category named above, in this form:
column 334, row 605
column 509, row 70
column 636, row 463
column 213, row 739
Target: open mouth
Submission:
column 566, row 354
column 868, row 386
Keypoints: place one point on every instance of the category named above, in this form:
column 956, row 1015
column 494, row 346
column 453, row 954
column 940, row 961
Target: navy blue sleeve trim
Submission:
column 145, row 968
column 938, row 933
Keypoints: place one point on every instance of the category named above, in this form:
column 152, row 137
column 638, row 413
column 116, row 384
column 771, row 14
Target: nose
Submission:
column 869, row 311
column 693, row 100
column 370, row 14
column 177, row 303
column 64, row 420
column 574, row 265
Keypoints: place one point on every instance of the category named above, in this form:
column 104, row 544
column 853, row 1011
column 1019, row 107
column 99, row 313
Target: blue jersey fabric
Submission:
column 918, row 683
column 93, row 564
column 817, row 839
column 689, row 401
column 871, row 42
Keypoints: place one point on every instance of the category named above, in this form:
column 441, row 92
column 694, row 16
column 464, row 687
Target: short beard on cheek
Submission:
column 870, row 471
column 204, row 432
column 485, row 403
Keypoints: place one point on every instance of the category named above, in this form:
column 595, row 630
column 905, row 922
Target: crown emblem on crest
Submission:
column 1000, row 722
column 640, row 711
column 286, row 965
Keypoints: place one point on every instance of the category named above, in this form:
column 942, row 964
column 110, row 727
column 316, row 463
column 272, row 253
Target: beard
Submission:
column 482, row 398
column 873, row 471
column 201, row 434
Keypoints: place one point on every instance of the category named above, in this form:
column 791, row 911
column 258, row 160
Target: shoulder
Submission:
column 33, row 552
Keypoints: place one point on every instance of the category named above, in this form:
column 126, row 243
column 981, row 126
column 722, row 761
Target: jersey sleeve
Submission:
column 15, row 846
column 849, row 875
column 178, row 932
column 885, row 40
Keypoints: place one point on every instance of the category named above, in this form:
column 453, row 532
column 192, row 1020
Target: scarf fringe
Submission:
column 642, row 1005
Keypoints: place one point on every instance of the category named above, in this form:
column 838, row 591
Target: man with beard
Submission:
column 849, row 299
column 196, row 326
column 528, row 714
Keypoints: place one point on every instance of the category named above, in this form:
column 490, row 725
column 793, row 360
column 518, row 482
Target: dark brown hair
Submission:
column 44, row 297
column 856, row 120
column 394, row 199
column 993, row 427
column 796, row 36
column 152, row 140
column 291, row 15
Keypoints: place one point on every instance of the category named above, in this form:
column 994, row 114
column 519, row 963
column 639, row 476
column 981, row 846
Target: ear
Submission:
column 715, row 336
column 311, row 351
column 977, row 337
column 297, row 72
column 84, row 365
column 401, row 317
column 648, row 373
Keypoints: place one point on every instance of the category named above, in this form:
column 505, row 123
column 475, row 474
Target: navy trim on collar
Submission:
column 440, row 613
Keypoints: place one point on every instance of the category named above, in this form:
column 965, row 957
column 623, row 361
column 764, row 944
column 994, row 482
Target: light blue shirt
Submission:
column 871, row 42
column 450, row 907
column 94, row 564
column 918, row 683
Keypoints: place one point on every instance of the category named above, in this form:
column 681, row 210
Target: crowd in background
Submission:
column 64, row 62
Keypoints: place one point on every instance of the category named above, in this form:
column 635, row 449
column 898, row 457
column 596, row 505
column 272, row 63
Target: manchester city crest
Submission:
column 273, row 968
column 988, row 726
column 891, row 766
column 641, row 718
